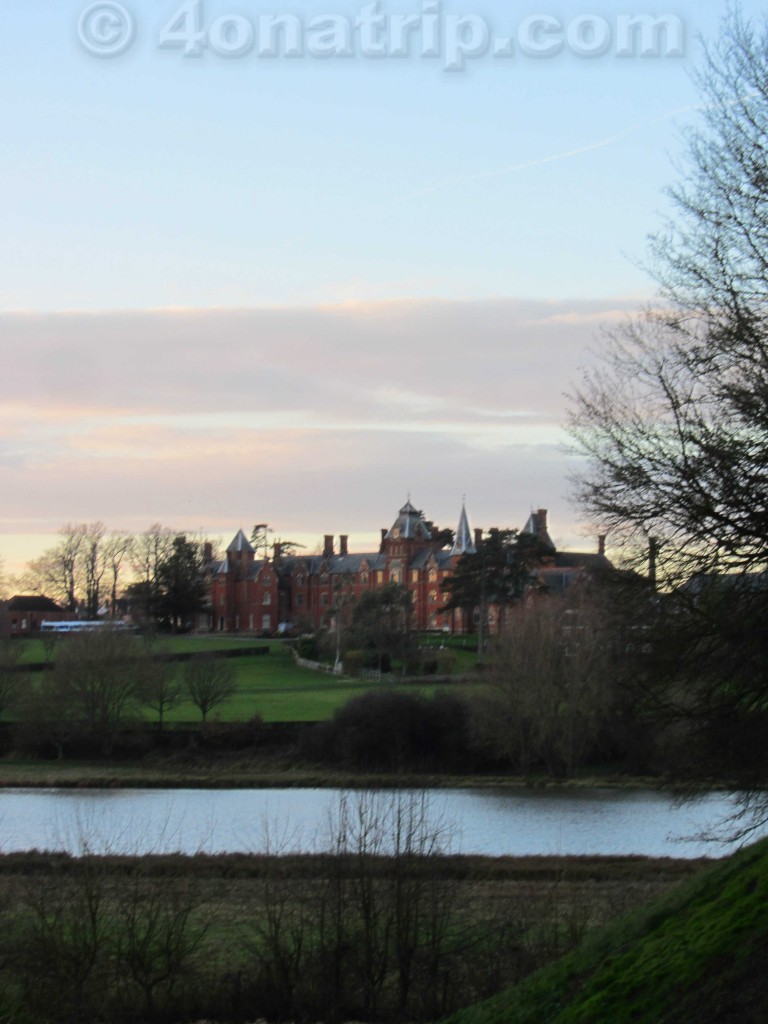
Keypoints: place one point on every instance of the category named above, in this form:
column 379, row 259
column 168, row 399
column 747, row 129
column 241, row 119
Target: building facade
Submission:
column 23, row 614
column 254, row 594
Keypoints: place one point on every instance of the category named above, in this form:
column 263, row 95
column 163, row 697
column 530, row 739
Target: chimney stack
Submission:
column 208, row 552
column 542, row 519
column 478, row 536
column 278, row 551
column 343, row 539
column 328, row 546
column 601, row 544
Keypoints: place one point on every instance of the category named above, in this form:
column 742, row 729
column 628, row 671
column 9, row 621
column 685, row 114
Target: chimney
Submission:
column 328, row 546
column 601, row 544
column 542, row 519
column 478, row 536
column 208, row 552
column 343, row 538
column 277, row 549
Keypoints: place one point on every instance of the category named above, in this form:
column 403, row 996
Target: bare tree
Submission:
column 551, row 692
column 209, row 681
column 73, row 571
column 93, row 566
column 100, row 673
column 161, row 687
column 5, row 581
column 118, row 548
column 57, row 573
column 673, row 420
column 149, row 551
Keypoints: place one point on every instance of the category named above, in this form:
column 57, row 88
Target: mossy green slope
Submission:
column 700, row 956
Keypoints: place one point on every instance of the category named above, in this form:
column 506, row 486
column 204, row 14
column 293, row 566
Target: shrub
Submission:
column 392, row 731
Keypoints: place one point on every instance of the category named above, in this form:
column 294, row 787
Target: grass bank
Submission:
column 696, row 956
column 197, row 773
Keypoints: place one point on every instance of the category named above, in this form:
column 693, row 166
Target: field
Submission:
column 270, row 685
column 296, row 937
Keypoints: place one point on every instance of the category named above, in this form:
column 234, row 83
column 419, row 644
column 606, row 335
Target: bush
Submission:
column 306, row 647
column 391, row 731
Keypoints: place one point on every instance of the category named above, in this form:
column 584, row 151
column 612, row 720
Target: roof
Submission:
column 582, row 560
column 34, row 603
column 240, row 543
column 409, row 525
column 252, row 568
column 464, row 543
column 537, row 527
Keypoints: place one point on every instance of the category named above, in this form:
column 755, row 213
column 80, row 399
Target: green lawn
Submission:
column 269, row 685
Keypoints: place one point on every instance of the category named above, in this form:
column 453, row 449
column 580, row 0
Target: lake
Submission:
column 494, row 822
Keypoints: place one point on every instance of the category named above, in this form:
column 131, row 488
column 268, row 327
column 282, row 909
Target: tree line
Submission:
column 161, row 572
column 100, row 681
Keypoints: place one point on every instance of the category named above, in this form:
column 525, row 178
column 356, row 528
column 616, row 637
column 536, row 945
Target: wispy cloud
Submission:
column 313, row 419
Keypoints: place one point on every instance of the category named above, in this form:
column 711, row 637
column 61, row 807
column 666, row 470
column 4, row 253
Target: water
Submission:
column 493, row 822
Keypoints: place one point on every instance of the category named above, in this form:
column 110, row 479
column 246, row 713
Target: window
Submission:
column 299, row 580
column 267, row 598
column 432, row 575
column 324, row 577
column 364, row 576
column 266, row 623
column 394, row 575
column 433, row 596
column 414, row 576
column 299, row 600
column 324, row 599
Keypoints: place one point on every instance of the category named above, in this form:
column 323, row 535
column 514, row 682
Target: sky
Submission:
column 295, row 275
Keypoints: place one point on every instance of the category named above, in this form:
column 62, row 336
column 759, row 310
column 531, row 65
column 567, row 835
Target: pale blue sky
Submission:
column 153, row 181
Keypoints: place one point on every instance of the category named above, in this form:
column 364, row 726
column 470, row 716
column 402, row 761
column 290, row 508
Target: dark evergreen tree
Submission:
column 182, row 584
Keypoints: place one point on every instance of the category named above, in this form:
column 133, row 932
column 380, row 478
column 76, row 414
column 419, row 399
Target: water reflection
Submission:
column 491, row 822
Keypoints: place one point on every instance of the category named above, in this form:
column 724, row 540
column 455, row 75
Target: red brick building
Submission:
column 253, row 594
column 22, row 614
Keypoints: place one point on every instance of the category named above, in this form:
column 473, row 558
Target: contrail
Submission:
column 540, row 161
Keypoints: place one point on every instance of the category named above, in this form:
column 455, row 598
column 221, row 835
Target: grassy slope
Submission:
column 271, row 685
column 696, row 957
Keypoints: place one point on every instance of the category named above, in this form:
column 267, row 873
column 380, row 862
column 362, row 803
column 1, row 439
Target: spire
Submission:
column 240, row 543
column 464, row 543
